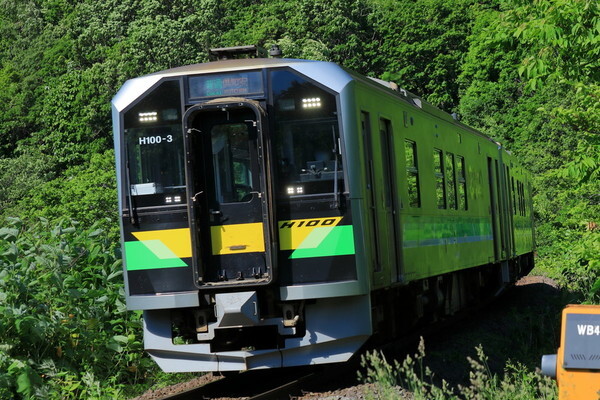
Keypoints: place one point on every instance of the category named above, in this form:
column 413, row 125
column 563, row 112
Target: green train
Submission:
column 279, row 212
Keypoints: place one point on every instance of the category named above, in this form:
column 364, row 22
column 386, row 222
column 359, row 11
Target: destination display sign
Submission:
column 234, row 84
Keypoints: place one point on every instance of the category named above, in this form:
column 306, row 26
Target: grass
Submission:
column 517, row 382
column 515, row 331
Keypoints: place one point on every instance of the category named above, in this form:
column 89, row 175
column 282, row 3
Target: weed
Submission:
column 412, row 375
column 517, row 383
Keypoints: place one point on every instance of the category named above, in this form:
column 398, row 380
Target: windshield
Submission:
column 306, row 150
column 154, row 145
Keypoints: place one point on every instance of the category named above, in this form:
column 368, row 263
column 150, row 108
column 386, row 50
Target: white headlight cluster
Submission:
column 148, row 116
column 291, row 190
column 313, row 102
column 172, row 199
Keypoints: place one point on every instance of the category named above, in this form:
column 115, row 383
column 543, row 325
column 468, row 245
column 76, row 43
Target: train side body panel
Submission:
column 432, row 237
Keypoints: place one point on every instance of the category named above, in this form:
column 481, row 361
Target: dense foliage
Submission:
column 524, row 72
column 65, row 331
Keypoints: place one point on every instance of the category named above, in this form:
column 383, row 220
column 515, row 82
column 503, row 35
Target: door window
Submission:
column 412, row 173
column 231, row 162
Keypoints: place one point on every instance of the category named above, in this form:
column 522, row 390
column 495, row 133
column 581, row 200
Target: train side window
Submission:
column 365, row 123
column 462, row 183
column 440, row 181
column 524, row 202
column 521, row 198
column 518, row 204
column 518, row 198
column 386, row 141
column 451, row 182
column 527, row 196
column 412, row 173
column 514, row 196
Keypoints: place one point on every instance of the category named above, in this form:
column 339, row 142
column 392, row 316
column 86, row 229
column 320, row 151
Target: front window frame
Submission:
column 129, row 198
column 342, row 178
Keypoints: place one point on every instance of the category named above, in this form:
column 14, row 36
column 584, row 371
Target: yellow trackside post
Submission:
column 576, row 366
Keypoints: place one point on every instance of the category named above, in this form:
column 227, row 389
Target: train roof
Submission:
column 231, row 65
column 416, row 101
column 328, row 73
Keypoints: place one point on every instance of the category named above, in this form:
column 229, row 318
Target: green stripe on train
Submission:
column 327, row 242
column 420, row 231
column 150, row 254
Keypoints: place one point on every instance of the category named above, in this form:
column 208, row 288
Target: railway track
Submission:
column 266, row 384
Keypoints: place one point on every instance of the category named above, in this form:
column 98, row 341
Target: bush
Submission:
column 517, row 383
column 86, row 193
column 65, row 332
column 21, row 176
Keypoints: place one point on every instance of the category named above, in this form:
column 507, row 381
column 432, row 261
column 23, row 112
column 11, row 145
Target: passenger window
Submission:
column 462, row 183
column 440, row 183
column 514, row 196
column 412, row 173
column 451, row 181
column 385, row 136
column 521, row 198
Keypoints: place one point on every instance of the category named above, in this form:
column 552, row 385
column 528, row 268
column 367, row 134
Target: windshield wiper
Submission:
column 132, row 215
column 336, row 200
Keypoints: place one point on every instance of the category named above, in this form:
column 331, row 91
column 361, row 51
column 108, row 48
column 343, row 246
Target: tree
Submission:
column 423, row 44
column 563, row 42
column 531, row 81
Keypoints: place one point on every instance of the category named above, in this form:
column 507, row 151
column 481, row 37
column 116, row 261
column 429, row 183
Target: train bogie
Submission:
column 282, row 212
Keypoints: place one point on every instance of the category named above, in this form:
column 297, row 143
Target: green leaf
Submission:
column 114, row 347
column 121, row 339
column 9, row 234
column 596, row 287
column 102, row 299
column 95, row 233
column 24, row 384
column 520, row 29
column 114, row 275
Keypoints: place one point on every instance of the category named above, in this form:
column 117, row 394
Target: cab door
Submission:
column 227, row 194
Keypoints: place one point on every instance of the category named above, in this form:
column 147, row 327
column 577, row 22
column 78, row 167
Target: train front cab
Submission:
column 237, row 226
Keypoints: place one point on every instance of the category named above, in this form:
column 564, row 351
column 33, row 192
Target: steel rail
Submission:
column 254, row 385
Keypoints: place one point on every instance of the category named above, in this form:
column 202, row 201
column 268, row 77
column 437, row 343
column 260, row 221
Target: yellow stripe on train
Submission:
column 176, row 240
column 237, row 238
column 294, row 232
column 241, row 238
